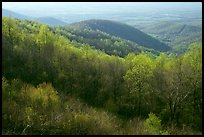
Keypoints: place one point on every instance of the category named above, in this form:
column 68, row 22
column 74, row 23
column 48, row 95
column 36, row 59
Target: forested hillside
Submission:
column 52, row 84
column 178, row 35
column 124, row 31
column 46, row 20
column 100, row 40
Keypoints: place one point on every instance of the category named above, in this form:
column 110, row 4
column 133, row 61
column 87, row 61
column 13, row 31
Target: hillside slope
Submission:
column 178, row 35
column 50, row 21
column 100, row 40
column 12, row 14
column 124, row 31
column 50, row 86
column 45, row 20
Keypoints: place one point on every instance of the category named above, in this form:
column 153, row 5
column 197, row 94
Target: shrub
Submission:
column 84, row 120
column 134, row 126
column 44, row 97
column 153, row 125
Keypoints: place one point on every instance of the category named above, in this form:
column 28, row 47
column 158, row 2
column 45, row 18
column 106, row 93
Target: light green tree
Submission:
column 138, row 78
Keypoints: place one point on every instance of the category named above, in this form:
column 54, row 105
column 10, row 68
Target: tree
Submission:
column 138, row 78
column 193, row 82
column 183, row 78
column 153, row 125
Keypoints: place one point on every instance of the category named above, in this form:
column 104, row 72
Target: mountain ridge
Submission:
column 51, row 21
column 123, row 31
column 13, row 14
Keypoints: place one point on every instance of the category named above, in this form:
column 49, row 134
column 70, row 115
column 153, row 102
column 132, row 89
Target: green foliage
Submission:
column 44, row 96
column 111, row 106
column 134, row 126
column 46, row 77
column 138, row 79
column 153, row 125
column 125, row 32
column 38, row 114
column 100, row 40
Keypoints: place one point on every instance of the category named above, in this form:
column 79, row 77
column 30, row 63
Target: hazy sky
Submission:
column 45, row 4
column 80, row 7
column 87, row 10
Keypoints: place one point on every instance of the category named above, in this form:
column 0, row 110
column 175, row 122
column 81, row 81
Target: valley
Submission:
column 101, row 71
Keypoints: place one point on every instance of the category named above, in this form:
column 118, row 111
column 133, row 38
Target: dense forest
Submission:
column 101, row 40
column 54, row 83
column 124, row 31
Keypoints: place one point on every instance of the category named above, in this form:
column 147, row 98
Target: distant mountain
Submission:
column 46, row 20
column 176, row 34
column 50, row 21
column 12, row 14
column 100, row 40
column 124, row 31
column 171, row 27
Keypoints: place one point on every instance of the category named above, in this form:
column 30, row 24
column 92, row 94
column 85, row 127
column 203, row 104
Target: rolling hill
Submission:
column 178, row 35
column 50, row 21
column 12, row 14
column 46, row 20
column 110, row 44
column 123, row 31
